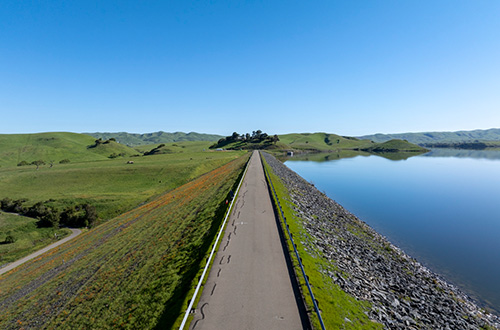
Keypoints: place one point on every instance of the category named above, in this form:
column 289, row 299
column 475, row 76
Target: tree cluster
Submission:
column 256, row 137
column 155, row 150
column 100, row 141
column 81, row 215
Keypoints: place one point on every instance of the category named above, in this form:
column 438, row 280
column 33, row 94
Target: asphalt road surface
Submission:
column 249, row 285
column 75, row 232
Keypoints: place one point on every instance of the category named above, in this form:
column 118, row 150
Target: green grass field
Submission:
column 132, row 272
column 111, row 185
column 28, row 238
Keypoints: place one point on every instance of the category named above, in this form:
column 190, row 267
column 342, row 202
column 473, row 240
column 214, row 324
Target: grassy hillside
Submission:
column 28, row 238
column 15, row 148
column 394, row 146
column 322, row 141
column 175, row 147
column 111, row 185
column 434, row 137
column 131, row 273
column 133, row 139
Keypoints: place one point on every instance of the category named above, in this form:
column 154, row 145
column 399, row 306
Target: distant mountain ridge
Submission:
column 135, row 139
column 492, row 134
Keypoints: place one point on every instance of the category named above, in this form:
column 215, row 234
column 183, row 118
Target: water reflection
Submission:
column 442, row 207
column 341, row 154
column 462, row 153
column 396, row 156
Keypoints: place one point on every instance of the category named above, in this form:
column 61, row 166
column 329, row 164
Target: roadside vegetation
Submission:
column 131, row 272
column 339, row 310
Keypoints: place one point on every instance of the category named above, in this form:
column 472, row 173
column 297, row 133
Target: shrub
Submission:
column 83, row 215
column 49, row 219
column 23, row 163
column 9, row 239
column 64, row 161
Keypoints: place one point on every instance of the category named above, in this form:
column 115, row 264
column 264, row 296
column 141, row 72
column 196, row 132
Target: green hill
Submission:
column 322, row 141
column 492, row 134
column 394, row 146
column 133, row 139
column 56, row 146
column 315, row 142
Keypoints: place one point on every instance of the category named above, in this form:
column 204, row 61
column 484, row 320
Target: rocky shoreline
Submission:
column 403, row 293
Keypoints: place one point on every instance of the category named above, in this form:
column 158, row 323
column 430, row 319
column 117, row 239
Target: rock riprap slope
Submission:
column 403, row 294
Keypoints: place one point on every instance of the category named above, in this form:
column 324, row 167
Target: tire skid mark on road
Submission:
column 227, row 243
column 218, row 273
column 213, row 289
column 221, row 260
column 202, row 315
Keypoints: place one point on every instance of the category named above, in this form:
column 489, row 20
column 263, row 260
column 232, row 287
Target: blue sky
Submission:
column 346, row 67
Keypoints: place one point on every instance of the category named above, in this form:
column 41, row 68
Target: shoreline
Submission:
column 403, row 293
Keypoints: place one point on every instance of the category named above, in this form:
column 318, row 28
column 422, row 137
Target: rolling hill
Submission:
column 317, row 142
column 492, row 134
column 133, row 139
column 322, row 141
column 56, row 146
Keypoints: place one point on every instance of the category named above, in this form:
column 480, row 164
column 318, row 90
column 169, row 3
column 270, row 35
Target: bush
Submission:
column 64, row 161
column 23, row 163
column 115, row 155
column 83, row 215
column 49, row 219
column 9, row 239
column 11, row 206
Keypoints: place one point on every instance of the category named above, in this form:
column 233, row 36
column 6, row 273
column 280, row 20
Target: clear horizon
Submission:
column 338, row 67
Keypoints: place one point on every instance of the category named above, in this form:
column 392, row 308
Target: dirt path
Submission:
column 75, row 232
column 249, row 285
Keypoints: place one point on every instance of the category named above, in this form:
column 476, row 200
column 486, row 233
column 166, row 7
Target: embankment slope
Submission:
column 131, row 272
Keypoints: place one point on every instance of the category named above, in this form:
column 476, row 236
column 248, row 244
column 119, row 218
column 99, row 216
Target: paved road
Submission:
column 249, row 286
column 75, row 232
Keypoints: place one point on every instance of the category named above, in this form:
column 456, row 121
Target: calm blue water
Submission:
column 440, row 209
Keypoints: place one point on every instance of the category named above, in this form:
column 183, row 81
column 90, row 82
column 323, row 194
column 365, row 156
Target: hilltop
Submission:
column 133, row 139
column 492, row 134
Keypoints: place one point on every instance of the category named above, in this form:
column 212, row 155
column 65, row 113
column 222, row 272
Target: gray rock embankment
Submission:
column 403, row 293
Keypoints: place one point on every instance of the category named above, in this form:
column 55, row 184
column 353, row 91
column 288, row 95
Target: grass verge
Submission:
column 339, row 310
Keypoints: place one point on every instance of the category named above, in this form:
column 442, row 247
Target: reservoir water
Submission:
column 442, row 208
